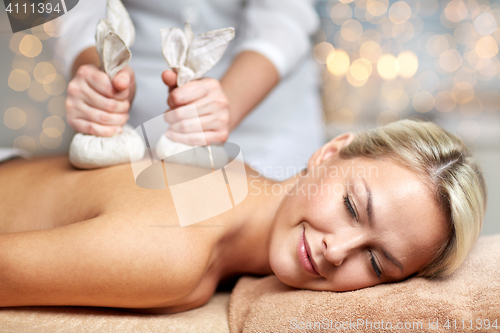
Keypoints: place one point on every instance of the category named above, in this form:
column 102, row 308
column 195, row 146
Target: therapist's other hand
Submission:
column 97, row 105
column 211, row 104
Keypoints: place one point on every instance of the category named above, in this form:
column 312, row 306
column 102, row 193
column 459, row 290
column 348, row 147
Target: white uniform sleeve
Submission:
column 79, row 26
column 280, row 30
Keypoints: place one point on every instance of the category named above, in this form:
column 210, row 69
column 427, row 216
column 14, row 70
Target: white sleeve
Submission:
column 280, row 30
column 79, row 27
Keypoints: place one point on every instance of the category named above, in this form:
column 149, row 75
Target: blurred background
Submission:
column 380, row 61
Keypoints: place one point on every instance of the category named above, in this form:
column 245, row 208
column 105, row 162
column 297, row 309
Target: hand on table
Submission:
column 97, row 105
column 211, row 104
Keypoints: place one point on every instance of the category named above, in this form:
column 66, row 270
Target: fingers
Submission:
column 123, row 79
column 192, row 125
column 90, row 128
column 199, row 138
column 169, row 78
column 191, row 92
column 94, row 106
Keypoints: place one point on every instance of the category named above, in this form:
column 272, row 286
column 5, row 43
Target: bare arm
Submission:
column 88, row 56
column 223, row 104
column 108, row 261
column 247, row 82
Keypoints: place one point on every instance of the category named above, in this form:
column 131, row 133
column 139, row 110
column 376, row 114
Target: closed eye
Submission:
column 348, row 205
column 374, row 265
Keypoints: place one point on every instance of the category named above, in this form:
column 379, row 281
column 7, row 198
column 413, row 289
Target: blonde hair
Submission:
column 455, row 178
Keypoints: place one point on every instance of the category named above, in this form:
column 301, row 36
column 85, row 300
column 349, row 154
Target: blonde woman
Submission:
column 380, row 206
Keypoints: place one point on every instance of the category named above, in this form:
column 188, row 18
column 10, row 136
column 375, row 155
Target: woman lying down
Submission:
column 94, row 238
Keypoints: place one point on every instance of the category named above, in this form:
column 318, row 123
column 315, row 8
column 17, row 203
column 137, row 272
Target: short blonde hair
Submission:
column 455, row 178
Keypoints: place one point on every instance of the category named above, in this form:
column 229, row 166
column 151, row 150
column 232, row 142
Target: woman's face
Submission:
column 351, row 224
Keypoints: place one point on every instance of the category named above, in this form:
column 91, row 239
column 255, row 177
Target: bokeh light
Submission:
column 408, row 64
column 25, row 142
column 361, row 69
column 340, row 13
column 44, row 72
column 423, row 102
column 30, row 46
column 321, row 52
column 56, row 106
column 486, row 47
column 450, row 60
column 53, row 126
column 14, row 118
column 19, row 80
column 399, row 12
column 54, row 84
column 351, row 30
column 339, row 64
column 388, row 67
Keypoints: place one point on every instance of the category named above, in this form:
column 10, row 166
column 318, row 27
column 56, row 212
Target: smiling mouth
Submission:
column 304, row 255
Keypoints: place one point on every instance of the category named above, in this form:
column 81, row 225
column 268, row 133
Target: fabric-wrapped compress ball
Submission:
column 114, row 36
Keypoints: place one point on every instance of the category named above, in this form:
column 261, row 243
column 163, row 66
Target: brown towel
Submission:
column 467, row 301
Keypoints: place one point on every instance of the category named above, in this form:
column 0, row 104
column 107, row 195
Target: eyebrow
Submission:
column 371, row 222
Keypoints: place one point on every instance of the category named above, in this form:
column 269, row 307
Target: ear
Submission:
column 174, row 46
column 330, row 150
column 207, row 49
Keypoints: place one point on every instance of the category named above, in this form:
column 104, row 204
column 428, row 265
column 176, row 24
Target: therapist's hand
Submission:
column 97, row 105
column 211, row 104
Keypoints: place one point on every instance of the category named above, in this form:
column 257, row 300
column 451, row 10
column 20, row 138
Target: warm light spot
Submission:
column 487, row 67
column 346, row 1
column 321, row 52
column 468, row 130
column 26, row 143
column 408, row 64
column 56, row 86
column 399, row 12
column 465, row 34
column 340, row 13
column 339, row 64
column 52, row 124
column 403, row 32
column 351, row 30
column 486, row 47
column 465, row 75
column 15, row 40
column 456, row 11
column 423, row 102
column 36, row 92
column 388, row 67
column 464, row 91
column 377, row 7
column 24, row 63
column 397, row 100
column 353, row 81
column 485, row 24
column 428, row 81
column 43, row 72
column 386, row 117
column 56, row 106
column 19, row 80
column 14, row 118
column 30, row 46
column 55, row 27
column 50, row 142
column 361, row 69
column 445, row 101
column 436, row 45
column 371, row 51
column 450, row 60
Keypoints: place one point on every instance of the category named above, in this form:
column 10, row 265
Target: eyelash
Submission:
column 351, row 210
column 349, row 207
column 374, row 264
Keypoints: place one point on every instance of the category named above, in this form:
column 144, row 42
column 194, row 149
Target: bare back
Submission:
column 105, row 220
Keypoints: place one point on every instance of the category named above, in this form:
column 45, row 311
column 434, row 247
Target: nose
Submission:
column 337, row 247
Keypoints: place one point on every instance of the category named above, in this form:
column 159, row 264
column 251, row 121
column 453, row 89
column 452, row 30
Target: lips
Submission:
column 304, row 254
